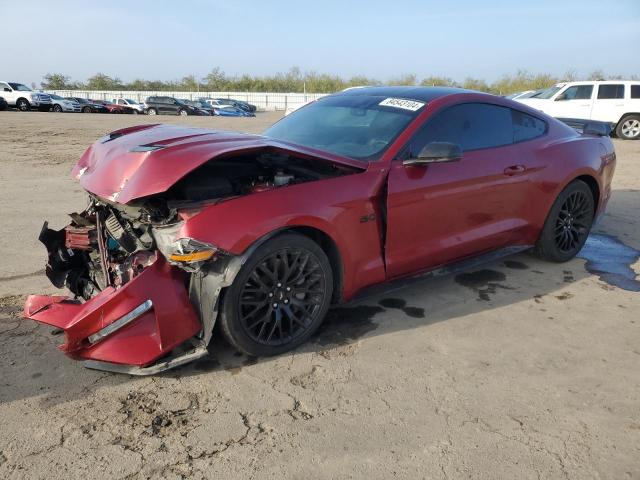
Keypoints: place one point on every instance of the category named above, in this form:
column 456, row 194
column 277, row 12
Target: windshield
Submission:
column 547, row 93
column 356, row 126
column 55, row 97
column 80, row 100
column 20, row 87
column 131, row 102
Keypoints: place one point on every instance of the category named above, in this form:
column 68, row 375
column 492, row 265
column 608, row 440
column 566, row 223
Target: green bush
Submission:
column 313, row 82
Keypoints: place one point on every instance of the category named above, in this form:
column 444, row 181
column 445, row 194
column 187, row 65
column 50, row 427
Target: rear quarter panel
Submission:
column 559, row 158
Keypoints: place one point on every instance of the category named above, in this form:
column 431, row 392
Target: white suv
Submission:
column 615, row 101
column 24, row 98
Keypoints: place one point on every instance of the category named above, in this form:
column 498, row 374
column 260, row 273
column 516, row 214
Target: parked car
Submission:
column 115, row 108
column 237, row 103
column 88, row 106
column 187, row 228
column 24, row 98
column 127, row 102
column 222, row 105
column 231, row 112
column 516, row 95
column 159, row 105
column 3, row 104
column 290, row 108
column 61, row 104
column 202, row 110
column 614, row 101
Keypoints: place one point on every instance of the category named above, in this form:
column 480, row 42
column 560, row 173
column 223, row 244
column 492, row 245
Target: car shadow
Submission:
column 31, row 366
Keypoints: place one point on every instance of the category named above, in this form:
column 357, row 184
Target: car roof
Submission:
column 424, row 94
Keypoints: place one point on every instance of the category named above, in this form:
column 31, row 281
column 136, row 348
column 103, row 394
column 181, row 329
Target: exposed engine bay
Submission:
column 108, row 244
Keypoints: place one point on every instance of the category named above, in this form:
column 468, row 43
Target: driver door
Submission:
column 442, row 212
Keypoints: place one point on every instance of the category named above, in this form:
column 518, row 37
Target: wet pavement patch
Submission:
column 515, row 265
column 346, row 324
column 398, row 303
column 611, row 260
column 206, row 364
column 236, row 368
column 484, row 282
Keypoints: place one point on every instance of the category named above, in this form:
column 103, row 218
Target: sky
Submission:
column 167, row 40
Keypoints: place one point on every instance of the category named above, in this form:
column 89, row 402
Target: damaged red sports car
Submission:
column 259, row 235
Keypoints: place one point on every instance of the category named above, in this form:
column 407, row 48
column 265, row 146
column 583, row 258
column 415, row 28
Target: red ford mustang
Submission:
column 187, row 228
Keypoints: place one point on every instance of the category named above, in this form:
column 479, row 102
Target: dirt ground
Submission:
column 518, row 369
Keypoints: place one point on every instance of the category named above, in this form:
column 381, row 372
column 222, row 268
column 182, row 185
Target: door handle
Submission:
column 514, row 170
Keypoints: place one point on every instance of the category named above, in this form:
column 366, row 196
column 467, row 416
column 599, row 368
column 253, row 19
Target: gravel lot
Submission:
column 518, row 369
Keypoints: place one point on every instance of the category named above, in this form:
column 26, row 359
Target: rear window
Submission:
column 635, row 91
column 610, row 91
column 526, row 127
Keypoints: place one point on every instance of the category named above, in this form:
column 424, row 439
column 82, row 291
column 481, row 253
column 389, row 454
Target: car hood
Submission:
column 145, row 160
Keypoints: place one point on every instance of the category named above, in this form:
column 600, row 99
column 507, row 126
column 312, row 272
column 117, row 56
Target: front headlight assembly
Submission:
column 184, row 252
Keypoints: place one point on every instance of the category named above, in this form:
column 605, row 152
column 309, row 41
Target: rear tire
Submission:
column 279, row 298
column 568, row 224
column 86, row 110
column 183, row 113
column 629, row 128
column 152, row 111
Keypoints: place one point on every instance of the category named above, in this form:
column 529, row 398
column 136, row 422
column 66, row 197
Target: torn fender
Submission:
column 167, row 322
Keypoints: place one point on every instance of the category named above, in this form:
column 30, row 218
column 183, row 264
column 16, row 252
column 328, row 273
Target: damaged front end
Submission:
column 130, row 305
column 144, row 292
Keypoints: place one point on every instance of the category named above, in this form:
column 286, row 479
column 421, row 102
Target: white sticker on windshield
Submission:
column 402, row 103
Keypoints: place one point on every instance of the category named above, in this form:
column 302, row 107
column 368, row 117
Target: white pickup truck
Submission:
column 615, row 101
column 24, row 98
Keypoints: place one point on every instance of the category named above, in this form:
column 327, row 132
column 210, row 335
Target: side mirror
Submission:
column 436, row 152
column 7, row 89
column 560, row 97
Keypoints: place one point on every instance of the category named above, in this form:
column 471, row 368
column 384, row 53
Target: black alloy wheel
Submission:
column 279, row 298
column 573, row 221
column 568, row 224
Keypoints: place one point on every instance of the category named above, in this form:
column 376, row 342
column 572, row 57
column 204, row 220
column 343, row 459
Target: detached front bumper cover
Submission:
column 134, row 325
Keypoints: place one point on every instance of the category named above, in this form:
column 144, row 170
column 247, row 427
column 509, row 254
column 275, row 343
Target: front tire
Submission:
column 152, row 111
column 23, row 105
column 279, row 298
column 629, row 128
column 183, row 113
column 568, row 224
column 86, row 110
column 57, row 108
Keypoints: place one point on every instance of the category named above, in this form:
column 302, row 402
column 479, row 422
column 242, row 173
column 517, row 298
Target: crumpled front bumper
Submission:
column 148, row 317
